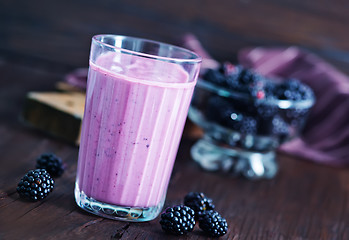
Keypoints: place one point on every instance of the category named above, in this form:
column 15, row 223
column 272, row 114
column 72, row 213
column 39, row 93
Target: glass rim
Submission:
column 281, row 103
column 196, row 57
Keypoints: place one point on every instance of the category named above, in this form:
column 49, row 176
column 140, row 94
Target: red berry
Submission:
column 260, row 94
column 228, row 68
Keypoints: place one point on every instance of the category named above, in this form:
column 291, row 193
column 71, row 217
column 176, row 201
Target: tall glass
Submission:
column 137, row 100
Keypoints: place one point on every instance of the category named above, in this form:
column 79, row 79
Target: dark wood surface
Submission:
column 41, row 41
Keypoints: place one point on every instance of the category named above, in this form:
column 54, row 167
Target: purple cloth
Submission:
column 77, row 78
column 325, row 138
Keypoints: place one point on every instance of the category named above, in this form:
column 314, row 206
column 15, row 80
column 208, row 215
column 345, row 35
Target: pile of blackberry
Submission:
column 181, row 219
column 239, row 79
column 36, row 184
column 251, row 111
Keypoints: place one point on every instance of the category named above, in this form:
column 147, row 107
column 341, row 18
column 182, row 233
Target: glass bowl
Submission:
column 243, row 130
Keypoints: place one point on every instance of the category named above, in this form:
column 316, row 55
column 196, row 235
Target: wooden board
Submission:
column 58, row 114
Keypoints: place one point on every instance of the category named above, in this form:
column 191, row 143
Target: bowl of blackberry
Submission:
column 245, row 117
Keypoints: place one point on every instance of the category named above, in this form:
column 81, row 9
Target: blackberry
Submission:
column 228, row 68
column 218, row 109
column 265, row 111
column 269, row 89
column 246, row 81
column 223, row 112
column 213, row 224
column 178, row 220
column 248, row 125
column 280, row 128
column 233, row 119
column 35, row 185
column 264, row 115
column 51, row 163
column 239, row 79
column 215, row 76
column 198, row 202
column 222, row 75
column 293, row 89
column 296, row 116
column 246, row 76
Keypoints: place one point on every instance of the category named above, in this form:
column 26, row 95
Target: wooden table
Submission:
column 41, row 43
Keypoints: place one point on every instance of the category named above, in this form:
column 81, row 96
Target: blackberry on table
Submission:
column 51, row 163
column 198, row 202
column 213, row 224
column 35, row 185
column 178, row 220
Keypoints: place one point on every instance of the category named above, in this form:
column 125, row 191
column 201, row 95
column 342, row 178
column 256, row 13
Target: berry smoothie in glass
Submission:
column 137, row 99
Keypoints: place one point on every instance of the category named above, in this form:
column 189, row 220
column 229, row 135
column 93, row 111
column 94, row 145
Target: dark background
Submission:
column 60, row 31
column 41, row 41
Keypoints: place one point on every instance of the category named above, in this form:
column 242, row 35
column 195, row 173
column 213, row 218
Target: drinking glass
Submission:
column 137, row 99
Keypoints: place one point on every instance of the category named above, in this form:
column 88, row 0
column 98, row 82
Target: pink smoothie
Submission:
column 133, row 122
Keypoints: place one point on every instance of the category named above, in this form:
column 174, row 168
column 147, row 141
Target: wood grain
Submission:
column 39, row 28
column 55, row 113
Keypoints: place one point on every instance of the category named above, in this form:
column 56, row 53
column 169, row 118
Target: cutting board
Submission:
column 56, row 113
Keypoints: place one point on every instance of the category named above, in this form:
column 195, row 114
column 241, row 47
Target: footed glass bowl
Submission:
column 242, row 131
